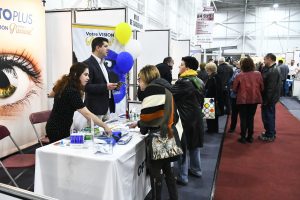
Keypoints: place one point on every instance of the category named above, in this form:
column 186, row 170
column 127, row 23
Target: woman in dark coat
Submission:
column 213, row 89
column 188, row 95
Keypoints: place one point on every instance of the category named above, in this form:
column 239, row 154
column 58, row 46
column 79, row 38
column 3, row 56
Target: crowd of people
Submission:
column 237, row 90
column 249, row 85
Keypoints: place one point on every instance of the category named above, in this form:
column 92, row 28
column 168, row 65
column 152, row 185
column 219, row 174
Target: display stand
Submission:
column 296, row 88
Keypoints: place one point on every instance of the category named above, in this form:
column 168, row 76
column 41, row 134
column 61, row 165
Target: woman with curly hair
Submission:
column 67, row 93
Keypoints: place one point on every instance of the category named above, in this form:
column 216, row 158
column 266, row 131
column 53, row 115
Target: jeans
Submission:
column 192, row 161
column 268, row 118
column 284, row 88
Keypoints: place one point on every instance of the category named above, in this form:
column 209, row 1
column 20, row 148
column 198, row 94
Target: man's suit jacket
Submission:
column 96, row 96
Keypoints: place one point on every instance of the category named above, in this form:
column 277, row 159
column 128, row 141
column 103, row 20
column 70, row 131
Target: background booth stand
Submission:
column 296, row 88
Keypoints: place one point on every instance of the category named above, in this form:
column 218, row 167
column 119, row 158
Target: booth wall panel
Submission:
column 59, row 47
column 155, row 47
column 179, row 49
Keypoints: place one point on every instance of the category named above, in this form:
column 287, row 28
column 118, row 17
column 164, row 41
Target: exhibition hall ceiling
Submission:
column 223, row 4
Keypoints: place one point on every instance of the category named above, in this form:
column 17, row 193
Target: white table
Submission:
column 69, row 174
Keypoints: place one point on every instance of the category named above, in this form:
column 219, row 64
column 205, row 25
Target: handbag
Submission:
column 210, row 108
column 163, row 147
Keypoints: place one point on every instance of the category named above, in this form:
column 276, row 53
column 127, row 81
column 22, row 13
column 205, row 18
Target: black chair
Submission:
column 40, row 117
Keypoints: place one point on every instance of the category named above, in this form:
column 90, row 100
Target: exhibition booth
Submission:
column 45, row 44
column 56, row 36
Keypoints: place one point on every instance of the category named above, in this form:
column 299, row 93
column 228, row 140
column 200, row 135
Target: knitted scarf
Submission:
column 192, row 76
column 158, row 109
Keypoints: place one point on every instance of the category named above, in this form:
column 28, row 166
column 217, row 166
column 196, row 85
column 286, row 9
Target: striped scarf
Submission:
column 158, row 109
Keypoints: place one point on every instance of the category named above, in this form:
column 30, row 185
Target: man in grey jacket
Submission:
column 271, row 95
column 284, row 70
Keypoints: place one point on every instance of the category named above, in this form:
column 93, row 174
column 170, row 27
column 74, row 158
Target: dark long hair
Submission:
column 71, row 79
column 247, row 65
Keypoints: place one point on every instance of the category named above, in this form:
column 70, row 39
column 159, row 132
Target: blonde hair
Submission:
column 211, row 67
column 149, row 73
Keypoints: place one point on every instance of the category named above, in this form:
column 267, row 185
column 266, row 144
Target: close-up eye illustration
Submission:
column 20, row 77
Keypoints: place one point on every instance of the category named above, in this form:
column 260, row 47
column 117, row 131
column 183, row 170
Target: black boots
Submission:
column 172, row 188
column 156, row 185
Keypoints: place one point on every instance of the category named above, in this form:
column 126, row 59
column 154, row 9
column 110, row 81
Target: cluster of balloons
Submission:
column 121, row 57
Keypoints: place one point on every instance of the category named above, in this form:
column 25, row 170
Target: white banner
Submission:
column 83, row 36
column 204, row 25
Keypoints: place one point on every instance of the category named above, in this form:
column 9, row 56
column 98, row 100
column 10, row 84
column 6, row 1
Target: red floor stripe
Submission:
column 262, row 171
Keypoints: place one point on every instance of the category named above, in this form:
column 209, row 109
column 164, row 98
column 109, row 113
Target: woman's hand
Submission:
column 133, row 125
column 90, row 116
column 108, row 131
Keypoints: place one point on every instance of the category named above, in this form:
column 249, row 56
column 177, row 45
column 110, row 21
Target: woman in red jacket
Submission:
column 248, row 85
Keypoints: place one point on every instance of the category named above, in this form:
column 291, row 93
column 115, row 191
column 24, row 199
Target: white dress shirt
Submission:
column 103, row 69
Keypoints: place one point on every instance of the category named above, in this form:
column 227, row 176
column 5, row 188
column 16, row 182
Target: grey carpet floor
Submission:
column 292, row 104
column 201, row 188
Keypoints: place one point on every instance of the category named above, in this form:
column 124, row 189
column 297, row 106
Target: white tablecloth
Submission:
column 69, row 174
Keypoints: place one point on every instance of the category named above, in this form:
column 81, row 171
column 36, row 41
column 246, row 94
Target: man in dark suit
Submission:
column 165, row 71
column 225, row 72
column 99, row 96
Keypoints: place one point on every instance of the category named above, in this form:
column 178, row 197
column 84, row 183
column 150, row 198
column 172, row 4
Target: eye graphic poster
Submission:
column 22, row 66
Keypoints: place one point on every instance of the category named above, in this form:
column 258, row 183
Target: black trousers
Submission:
column 247, row 112
column 213, row 125
column 156, row 179
column 234, row 113
column 227, row 104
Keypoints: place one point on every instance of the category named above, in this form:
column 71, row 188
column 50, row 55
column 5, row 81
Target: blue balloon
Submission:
column 124, row 62
column 119, row 75
column 122, row 77
column 111, row 55
column 120, row 94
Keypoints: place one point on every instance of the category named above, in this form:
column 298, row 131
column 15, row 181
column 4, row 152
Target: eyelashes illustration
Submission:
column 20, row 76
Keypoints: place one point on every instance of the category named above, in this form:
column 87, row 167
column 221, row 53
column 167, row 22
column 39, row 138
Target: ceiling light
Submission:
column 275, row 5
